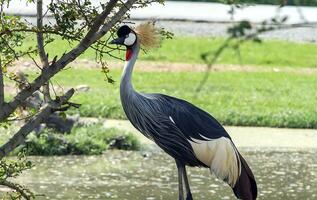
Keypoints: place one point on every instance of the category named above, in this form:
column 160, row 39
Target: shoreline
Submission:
column 247, row 137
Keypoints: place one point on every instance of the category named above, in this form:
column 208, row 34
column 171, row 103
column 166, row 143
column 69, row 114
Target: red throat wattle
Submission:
column 128, row 54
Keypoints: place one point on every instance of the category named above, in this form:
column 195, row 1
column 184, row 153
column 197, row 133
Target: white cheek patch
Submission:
column 130, row 39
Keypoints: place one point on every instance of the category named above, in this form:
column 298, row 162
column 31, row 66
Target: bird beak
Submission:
column 118, row 41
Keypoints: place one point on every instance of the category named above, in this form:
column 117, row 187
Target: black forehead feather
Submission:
column 123, row 30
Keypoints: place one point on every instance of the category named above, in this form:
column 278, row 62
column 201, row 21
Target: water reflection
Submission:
column 130, row 175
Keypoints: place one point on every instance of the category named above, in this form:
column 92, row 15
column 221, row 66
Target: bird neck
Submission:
column 126, row 87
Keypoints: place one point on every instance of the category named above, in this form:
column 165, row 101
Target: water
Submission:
column 281, row 174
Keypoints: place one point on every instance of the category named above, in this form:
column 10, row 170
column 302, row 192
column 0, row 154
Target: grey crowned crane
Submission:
column 188, row 134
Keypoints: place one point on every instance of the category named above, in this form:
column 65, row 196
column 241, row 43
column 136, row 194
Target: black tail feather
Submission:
column 245, row 187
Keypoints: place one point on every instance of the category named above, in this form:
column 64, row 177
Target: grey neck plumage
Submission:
column 126, row 87
column 133, row 103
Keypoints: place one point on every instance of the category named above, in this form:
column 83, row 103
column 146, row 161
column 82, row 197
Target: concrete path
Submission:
column 213, row 18
column 248, row 136
column 216, row 12
column 196, row 11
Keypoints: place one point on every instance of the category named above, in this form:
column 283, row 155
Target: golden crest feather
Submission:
column 148, row 35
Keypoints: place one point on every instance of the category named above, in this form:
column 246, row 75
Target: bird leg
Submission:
column 189, row 194
column 180, row 168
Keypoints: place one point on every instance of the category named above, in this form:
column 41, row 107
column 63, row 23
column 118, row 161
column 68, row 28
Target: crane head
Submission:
column 146, row 33
column 126, row 36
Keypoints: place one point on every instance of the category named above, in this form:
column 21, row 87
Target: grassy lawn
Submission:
column 82, row 140
column 275, row 99
column 189, row 50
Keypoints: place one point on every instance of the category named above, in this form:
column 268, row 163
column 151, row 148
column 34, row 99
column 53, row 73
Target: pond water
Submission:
column 281, row 174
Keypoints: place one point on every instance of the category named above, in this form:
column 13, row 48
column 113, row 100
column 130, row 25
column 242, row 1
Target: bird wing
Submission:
column 193, row 122
column 208, row 144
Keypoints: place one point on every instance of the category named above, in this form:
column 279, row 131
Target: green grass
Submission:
column 274, row 99
column 189, row 50
column 83, row 140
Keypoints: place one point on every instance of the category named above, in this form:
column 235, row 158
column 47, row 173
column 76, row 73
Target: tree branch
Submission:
column 33, row 30
column 19, row 137
column 105, row 28
column 55, row 67
column 40, row 46
column 16, row 188
column 88, row 39
column 1, row 89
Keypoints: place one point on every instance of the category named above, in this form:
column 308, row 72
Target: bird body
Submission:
column 187, row 133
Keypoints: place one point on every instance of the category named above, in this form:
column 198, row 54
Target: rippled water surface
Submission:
column 280, row 174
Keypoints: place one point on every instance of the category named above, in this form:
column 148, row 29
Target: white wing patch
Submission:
column 220, row 155
column 171, row 119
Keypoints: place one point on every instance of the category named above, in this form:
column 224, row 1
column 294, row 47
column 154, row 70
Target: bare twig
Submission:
column 1, row 89
column 19, row 137
column 9, row 47
column 40, row 46
column 83, row 13
column 105, row 28
column 17, row 188
column 34, row 61
column 89, row 38
column 33, row 30
column 212, row 62
column 240, row 40
column 20, row 119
